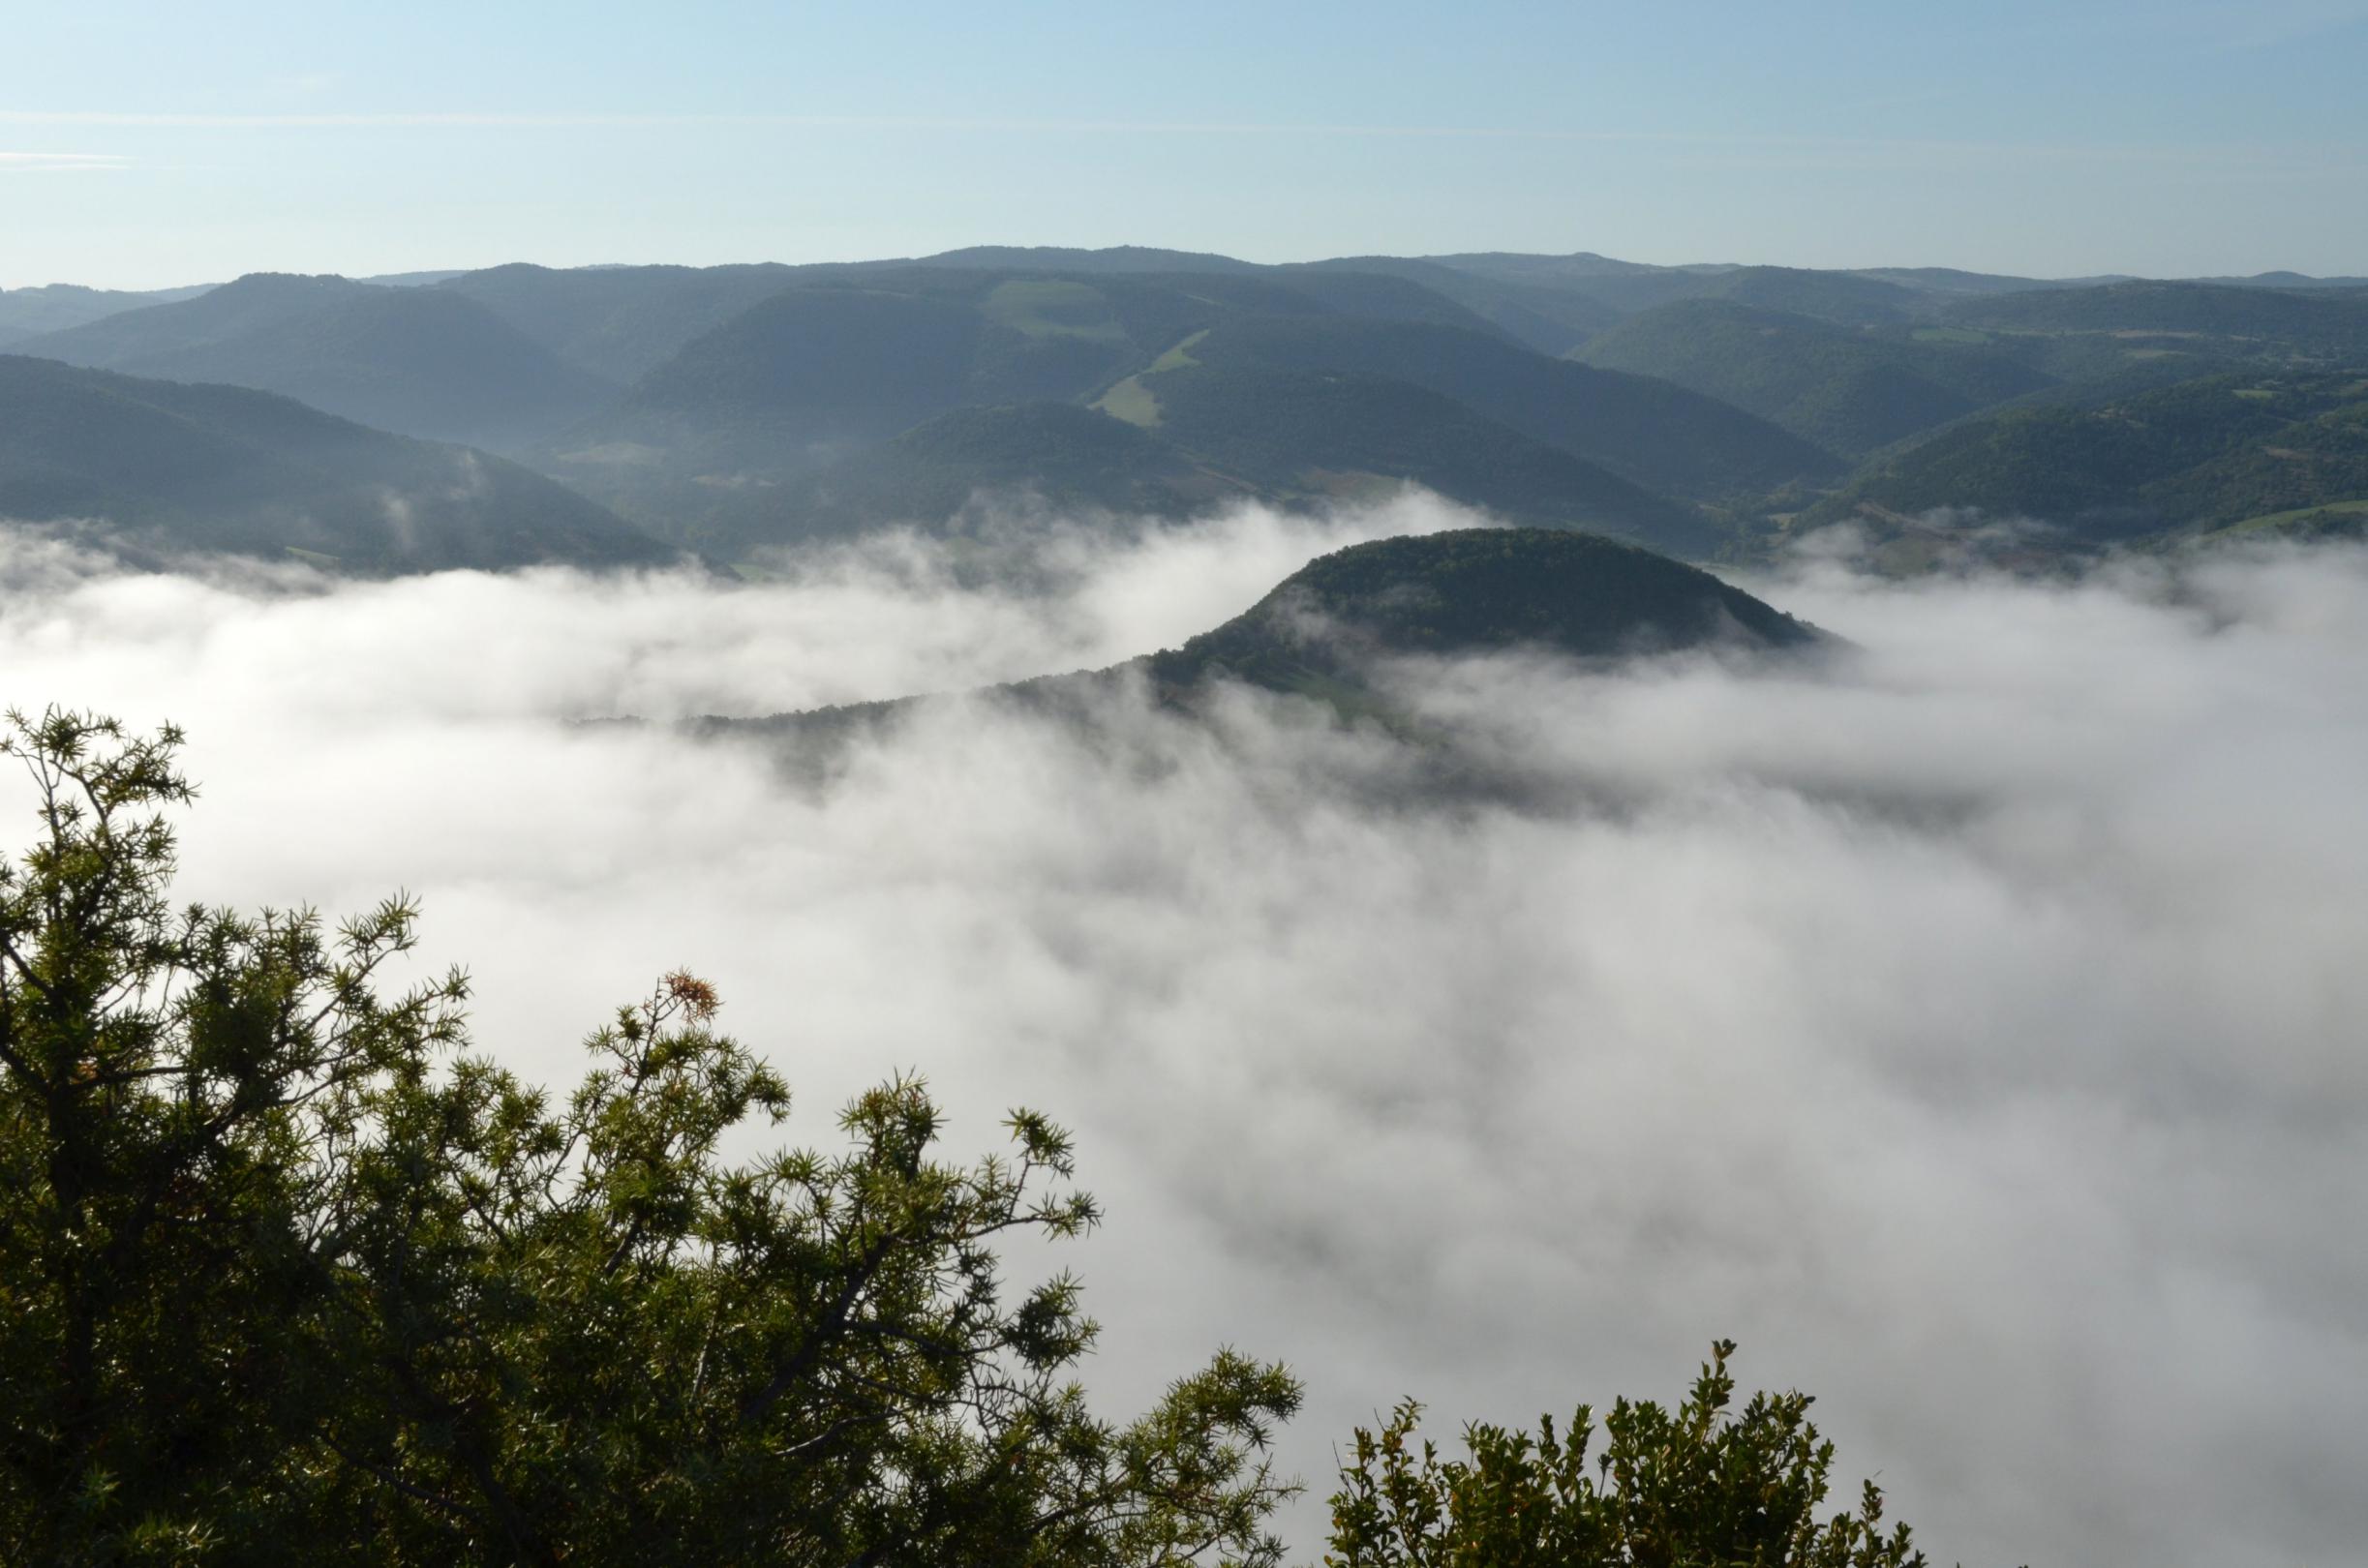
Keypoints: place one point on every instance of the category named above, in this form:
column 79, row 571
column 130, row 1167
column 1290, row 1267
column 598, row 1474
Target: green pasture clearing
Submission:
column 1052, row 308
column 1133, row 402
column 1177, row 357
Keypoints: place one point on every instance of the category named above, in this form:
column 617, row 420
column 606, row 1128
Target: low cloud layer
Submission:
column 1971, row 1028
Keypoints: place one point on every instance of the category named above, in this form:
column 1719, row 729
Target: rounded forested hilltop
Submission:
column 1473, row 590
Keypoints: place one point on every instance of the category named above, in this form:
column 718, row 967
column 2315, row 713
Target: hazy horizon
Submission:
column 369, row 272
column 2178, row 141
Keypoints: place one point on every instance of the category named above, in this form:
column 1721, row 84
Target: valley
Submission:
column 1713, row 413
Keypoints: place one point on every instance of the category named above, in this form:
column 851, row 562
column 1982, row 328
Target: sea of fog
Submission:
column 1971, row 1026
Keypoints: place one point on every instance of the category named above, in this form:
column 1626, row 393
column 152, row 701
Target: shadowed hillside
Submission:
column 1473, row 591
column 2227, row 452
column 814, row 411
column 1845, row 389
column 420, row 361
column 177, row 469
column 28, row 313
column 1651, row 431
column 619, row 322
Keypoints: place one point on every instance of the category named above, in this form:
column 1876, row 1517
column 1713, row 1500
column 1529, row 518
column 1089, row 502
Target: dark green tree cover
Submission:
column 1063, row 456
column 1238, row 426
column 620, row 323
column 1550, row 320
column 1308, row 432
column 1470, row 590
column 1844, row 390
column 1851, row 298
column 1700, row 1487
column 198, row 468
column 289, row 1277
column 2199, row 455
column 843, row 358
column 2253, row 322
column 1649, row 432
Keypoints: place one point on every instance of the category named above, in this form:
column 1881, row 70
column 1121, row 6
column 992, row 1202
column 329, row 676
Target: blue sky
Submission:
column 153, row 144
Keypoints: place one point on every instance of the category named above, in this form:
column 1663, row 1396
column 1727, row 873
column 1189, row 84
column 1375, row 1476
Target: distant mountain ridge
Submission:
column 29, row 313
column 778, row 423
column 176, row 469
column 419, row 361
column 1702, row 409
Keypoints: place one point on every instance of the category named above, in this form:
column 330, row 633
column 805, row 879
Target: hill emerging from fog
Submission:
column 1323, row 632
column 1473, row 590
column 172, row 470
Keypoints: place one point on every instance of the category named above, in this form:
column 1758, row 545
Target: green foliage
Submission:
column 1652, row 433
column 2199, row 455
column 1058, row 454
column 1550, row 320
column 287, row 1278
column 797, row 415
column 1844, row 390
column 1851, row 298
column 1700, row 1487
column 2252, row 323
column 1299, row 430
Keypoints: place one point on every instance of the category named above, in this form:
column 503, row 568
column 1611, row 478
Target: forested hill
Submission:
column 1845, row 389
column 424, row 362
column 2243, row 452
column 1325, row 632
column 875, row 395
column 1475, row 590
column 179, row 469
column 1649, row 430
column 28, row 313
column 1708, row 411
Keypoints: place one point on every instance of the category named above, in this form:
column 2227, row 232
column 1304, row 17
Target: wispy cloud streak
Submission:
column 51, row 163
column 483, row 119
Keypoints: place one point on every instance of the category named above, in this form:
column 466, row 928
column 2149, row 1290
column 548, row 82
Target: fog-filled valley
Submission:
column 1309, row 786
column 1534, row 813
column 1966, row 1018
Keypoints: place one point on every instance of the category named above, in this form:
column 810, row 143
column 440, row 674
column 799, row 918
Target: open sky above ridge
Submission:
column 144, row 145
